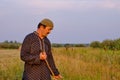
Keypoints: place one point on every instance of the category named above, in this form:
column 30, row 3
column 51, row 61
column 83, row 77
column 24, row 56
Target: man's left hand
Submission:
column 58, row 77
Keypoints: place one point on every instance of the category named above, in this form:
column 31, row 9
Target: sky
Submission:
column 75, row 21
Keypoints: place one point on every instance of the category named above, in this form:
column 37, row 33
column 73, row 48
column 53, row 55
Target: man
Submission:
column 37, row 55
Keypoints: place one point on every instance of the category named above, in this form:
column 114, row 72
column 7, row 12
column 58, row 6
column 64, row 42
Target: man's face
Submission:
column 46, row 31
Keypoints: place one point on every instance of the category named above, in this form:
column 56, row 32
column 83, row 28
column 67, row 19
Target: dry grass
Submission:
column 10, row 65
column 74, row 64
column 88, row 64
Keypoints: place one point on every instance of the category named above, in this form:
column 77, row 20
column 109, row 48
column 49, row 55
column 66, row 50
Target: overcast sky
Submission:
column 76, row 21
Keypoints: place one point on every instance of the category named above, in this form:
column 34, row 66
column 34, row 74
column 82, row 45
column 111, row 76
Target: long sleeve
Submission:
column 52, row 64
column 50, row 58
column 26, row 51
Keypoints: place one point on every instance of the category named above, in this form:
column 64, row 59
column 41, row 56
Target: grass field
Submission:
column 73, row 64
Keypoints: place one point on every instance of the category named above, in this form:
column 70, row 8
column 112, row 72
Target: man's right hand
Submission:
column 43, row 55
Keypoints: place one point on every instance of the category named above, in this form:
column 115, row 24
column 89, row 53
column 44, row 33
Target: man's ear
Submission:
column 43, row 27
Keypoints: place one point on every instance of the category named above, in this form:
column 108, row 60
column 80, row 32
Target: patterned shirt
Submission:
column 34, row 68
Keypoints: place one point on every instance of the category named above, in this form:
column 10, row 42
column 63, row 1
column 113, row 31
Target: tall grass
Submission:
column 73, row 64
column 88, row 64
column 11, row 66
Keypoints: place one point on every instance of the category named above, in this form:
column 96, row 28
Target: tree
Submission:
column 117, row 44
column 108, row 44
column 95, row 44
column 10, row 45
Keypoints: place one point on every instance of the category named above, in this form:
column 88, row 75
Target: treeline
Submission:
column 69, row 45
column 10, row 45
column 107, row 44
column 16, row 45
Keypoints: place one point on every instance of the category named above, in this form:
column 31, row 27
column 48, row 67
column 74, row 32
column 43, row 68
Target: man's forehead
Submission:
column 49, row 27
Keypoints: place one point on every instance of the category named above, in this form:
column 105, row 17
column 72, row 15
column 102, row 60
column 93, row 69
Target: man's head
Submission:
column 45, row 27
column 46, row 23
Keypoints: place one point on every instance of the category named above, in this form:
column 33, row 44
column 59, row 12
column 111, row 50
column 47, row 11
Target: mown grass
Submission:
column 73, row 64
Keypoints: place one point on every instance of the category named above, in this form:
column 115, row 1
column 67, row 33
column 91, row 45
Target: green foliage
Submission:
column 10, row 45
column 80, row 45
column 95, row 44
column 69, row 45
column 57, row 45
column 117, row 44
column 107, row 44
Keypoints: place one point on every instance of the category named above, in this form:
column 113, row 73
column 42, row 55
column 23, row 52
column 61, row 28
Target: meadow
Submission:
column 73, row 64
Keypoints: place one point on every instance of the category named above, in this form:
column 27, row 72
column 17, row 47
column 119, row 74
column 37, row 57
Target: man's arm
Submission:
column 25, row 52
column 52, row 64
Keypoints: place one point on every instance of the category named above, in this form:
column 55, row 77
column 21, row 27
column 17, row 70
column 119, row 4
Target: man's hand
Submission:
column 43, row 55
column 58, row 77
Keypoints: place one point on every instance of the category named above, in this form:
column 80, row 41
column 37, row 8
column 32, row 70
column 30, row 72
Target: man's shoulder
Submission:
column 30, row 34
column 31, row 37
